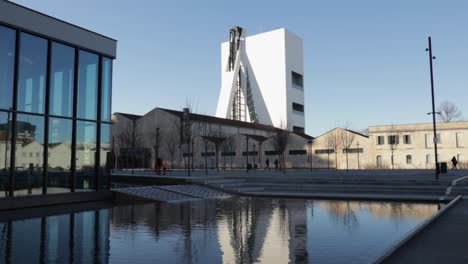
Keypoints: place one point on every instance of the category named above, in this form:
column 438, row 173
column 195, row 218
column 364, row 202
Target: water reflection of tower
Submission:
column 297, row 215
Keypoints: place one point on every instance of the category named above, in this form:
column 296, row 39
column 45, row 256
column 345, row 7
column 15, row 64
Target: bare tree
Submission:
column 171, row 143
column 228, row 146
column 128, row 138
column 393, row 141
column 189, row 129
column 333, row 142
column 347, row 139
column 448, row 112
column 280, row 142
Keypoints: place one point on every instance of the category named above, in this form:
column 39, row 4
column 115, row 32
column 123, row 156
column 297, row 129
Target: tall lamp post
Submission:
column 431, row 58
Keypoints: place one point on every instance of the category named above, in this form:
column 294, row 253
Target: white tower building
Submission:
column 262, row 79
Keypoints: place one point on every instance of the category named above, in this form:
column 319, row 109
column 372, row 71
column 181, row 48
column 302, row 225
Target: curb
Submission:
column 417, row 230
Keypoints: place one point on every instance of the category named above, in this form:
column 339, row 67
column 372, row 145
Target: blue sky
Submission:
column 365, row 60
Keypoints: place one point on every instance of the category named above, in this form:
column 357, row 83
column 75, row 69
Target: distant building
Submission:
column 55, row 104
column 234, row 143
column 262, row 79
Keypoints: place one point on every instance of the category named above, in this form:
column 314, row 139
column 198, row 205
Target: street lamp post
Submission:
column 431, row 58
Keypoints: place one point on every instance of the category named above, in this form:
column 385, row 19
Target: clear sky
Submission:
column 365, row 60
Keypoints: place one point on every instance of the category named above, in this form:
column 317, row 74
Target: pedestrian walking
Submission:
column 276, row 164
column 267, row 162
column 454, row 163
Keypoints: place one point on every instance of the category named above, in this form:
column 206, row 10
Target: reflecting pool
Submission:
column 237, row 230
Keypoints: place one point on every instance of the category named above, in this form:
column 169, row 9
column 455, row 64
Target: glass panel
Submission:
column 31, row 82
column 106, row 89
column 7, row 66
column 61, row 80
column 25, row 241
column 87, row 85
column 59, row 161
column 85, row 237
column 5, row 147
column 29, row 155
column 106, row 150
column 85, row 155
column 57, row 239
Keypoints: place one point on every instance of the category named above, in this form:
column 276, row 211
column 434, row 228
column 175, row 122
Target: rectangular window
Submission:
column 32, row 74
column 324, row 151
column 297, row 80
column 30, row 139
column 60, row 151
column 353, row 150
column 297, row 129
column 380, row 140
column 459, row 138
column 438, row 139
column 85, row 155
column 298, row 152
column 61, row 80
column 106, row 89
column 106, row 154
column 407, row 139
column 271, row 152
column 251, row 153
column 227, row 154
column 87, row 85
column 5, row 147
column 7, row 66
column 298, row 107
column 393, row 140
column 207, row 154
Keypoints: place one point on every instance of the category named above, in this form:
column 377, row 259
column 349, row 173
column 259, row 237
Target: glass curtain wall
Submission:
column 41, row 119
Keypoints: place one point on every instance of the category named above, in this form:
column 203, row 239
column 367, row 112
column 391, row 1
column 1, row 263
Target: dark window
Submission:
column 186, row 154
column 29, row 139
column 297, row 80
column 353, row 150
column 380, row 140
column 207, row 154
column 61, row 80
column 298, row 107
column 393, row 140
column 85, row 155
column 324, row 151
column 106, row 89
column 251, row 153
column 59, row 161
column 5, row 137
column 87, row 85
column 297, row 129
column 226, row 154
column 407, row 139
column 32, row 74
column 271, row 152
column 298, row 152
column 409, row 159
column 7, row 65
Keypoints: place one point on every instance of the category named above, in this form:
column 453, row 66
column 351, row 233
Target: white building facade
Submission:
column 262, row 79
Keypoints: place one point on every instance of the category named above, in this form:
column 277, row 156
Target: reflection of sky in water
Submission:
column 229, row 231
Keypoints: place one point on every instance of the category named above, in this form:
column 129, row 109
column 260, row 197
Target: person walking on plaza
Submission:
column 454, row 163
column 267, row 162
column 276, row 164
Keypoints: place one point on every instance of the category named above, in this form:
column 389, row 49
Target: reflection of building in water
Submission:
column 345, row 211
column 76, row 238
column 297, row 215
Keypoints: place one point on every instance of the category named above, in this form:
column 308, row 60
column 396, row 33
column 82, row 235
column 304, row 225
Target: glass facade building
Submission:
column 55, row 108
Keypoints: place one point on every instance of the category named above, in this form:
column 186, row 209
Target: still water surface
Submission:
column 238, row 230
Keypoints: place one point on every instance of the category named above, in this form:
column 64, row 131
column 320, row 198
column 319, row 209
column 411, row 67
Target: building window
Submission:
column 59, row 164
column 438, row 139
column 428, row 159
column 106, row 89
column 353, row 150
column 86, row 155
column 298, row 152
column 393, row 139
column 32, row 74
column 298, row 107
column 87, row 85
column 409, row 159
column 407, row 139
column 380, row 140
column 297, row 129
column 459, row 138
column 7, row 66
column 379, row 161
column 324, row 151
column 297, row 80
column 270, row 153
column 61, row 80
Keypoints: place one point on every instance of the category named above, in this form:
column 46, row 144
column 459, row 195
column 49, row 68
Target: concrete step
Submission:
column 353, row 185
column 344, row 190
